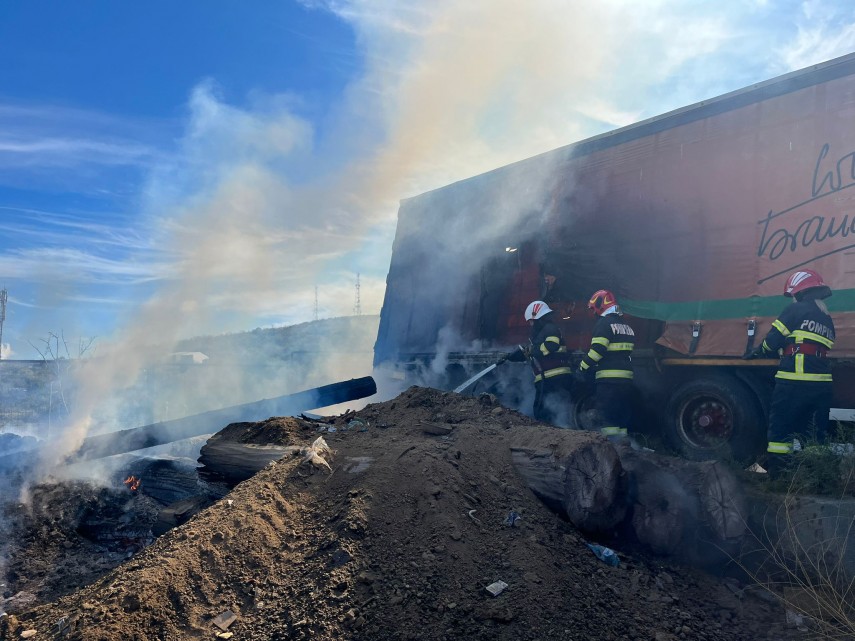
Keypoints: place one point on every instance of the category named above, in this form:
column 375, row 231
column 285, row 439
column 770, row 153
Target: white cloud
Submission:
column 46, row 152
column 75, row 150
column 822, row 34
column 72, row 265
column 54, row 229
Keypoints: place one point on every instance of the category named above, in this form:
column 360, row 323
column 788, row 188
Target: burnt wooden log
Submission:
column 693, row 510
column 578, row 473
column 661, row 509
column 166, row 480
column 232, row 462
column 240, row 450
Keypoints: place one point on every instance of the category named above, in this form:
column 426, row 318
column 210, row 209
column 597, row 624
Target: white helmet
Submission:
column 536, row 309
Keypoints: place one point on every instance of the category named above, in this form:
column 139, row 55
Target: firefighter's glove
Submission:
column 516, row 356
column 757, row 352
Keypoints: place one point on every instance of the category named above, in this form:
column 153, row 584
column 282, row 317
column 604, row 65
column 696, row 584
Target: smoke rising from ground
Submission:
column 243, row 239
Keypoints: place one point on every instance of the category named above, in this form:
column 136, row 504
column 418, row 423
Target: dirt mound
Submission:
column 398, row 542
column 275, row 431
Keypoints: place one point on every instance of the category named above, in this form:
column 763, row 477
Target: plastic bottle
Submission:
column 604, row 554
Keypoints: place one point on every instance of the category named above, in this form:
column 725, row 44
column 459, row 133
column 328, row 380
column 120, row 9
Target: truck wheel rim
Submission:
column 705, row 422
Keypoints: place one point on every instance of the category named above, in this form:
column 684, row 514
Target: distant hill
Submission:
column 348, row 334
column 240, row 368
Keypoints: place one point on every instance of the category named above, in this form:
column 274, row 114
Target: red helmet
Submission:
column 601, row 300
column 804, row 280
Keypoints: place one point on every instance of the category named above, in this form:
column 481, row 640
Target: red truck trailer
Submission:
column 694, row 218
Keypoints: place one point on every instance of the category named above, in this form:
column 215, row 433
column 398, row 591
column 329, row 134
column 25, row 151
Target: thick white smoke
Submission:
column 448, row 90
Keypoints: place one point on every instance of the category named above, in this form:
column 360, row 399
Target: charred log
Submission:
column 693, row 510
column 166, row 480
column 239, row 450
column 117, row 517
column 232, row 462
column 578, row 473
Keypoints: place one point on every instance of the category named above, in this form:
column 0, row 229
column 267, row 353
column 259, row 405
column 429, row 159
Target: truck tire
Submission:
column 583, row 414
column 715, row 417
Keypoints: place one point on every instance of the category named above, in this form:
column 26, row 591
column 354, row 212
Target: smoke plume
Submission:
column 257, row 206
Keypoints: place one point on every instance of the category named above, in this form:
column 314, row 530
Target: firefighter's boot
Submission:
column 777, row 465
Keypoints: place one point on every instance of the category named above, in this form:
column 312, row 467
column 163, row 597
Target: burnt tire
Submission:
column 715, row 417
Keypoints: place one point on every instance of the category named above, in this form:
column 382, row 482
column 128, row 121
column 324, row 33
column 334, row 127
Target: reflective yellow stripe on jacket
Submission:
column 613, row 373
column 781, row 328
column 779, row 448
column 799, row 374
column 552, row 339
column 558, row 371
column 613, row 431
column 620, row 347
column 801, row 336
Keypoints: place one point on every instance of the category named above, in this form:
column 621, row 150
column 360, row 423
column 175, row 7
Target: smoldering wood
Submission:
column 660, row 509
column 577, row 473
column 232, row 462
column 693, row 510
column 166, row 480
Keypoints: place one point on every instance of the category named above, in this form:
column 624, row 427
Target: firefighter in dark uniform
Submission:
column 550, row 362
column 804, row 332
column 610, row 360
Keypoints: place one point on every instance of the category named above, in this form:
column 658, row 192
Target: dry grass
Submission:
column 805, row 544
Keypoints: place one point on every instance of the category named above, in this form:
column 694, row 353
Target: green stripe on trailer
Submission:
column 841, row 301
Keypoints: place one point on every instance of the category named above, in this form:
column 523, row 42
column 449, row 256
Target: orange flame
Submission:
column 133, row 483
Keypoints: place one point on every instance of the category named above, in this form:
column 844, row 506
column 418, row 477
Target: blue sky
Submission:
column 170, row 169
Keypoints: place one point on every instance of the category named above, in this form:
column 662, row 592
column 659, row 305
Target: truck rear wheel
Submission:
column 714, row 417
column 583, row 412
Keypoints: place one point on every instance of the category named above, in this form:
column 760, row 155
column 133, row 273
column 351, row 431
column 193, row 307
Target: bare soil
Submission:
column 399, row 542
